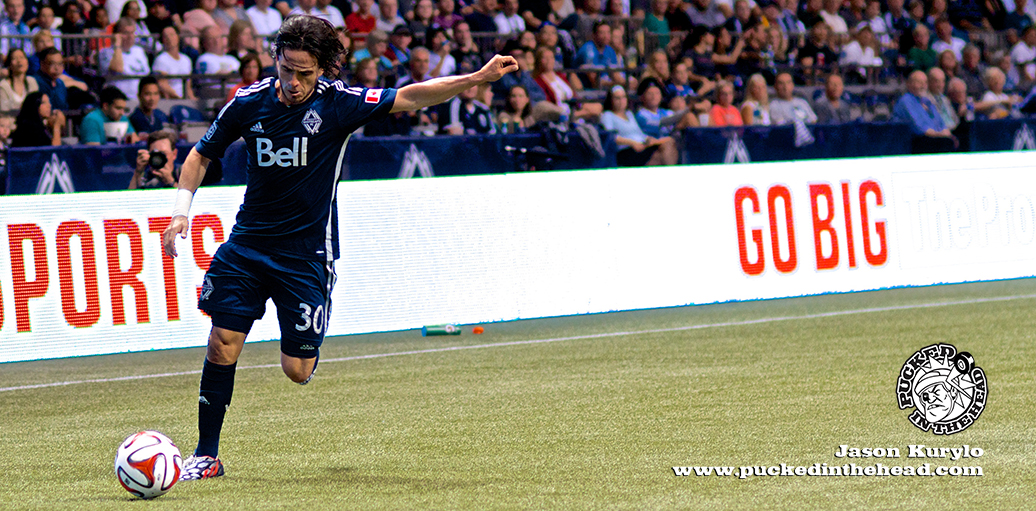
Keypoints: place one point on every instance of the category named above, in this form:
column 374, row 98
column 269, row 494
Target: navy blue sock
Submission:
column 217, row 387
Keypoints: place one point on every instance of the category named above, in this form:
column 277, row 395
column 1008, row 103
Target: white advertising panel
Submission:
column 83, row 274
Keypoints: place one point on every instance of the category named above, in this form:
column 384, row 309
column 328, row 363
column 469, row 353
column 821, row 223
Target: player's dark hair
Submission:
column 110, row 94
column 314, row 36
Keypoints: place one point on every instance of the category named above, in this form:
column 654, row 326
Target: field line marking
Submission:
column 603, row 335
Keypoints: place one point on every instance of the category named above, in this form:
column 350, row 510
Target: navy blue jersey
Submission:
column 295, row 157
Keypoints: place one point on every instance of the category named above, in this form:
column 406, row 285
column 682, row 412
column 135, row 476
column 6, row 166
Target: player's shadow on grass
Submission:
column 353, row 477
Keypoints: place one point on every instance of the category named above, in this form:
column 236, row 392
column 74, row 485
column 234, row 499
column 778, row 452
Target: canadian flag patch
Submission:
column 372, row 96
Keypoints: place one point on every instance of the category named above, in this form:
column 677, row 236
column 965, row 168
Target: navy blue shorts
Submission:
column 241, row 279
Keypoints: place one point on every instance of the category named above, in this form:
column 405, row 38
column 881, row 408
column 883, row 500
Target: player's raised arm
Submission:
column 437, row 90
column 191, row 174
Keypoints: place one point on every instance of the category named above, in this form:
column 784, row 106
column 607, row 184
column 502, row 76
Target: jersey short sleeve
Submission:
column 359, row 105
column 224, row 131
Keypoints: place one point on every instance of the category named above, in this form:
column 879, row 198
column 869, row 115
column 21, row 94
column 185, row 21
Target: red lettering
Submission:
column 172, row 302
column 756, row 268
column 202, row 258
column 24, row 289
column 783, row 265
column 849, row 245
column 89, row 316
column 823, row 225
column 118, row 278
column 200, row 224
column 881, row 257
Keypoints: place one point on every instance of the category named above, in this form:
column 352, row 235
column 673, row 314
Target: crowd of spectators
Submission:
column 642, row 69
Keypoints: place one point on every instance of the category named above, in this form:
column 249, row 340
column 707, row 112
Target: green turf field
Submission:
column 594, row 417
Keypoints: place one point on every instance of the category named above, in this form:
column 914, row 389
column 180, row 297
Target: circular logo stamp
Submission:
column 944, row 386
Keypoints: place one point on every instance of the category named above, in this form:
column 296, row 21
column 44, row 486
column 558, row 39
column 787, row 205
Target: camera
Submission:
column 157, row 159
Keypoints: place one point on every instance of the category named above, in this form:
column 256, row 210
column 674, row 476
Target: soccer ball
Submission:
column 148, row 464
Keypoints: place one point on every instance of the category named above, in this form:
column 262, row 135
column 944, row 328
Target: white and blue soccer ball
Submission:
column 148, row 464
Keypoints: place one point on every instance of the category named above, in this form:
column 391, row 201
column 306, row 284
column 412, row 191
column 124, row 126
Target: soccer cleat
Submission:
column 201, row 467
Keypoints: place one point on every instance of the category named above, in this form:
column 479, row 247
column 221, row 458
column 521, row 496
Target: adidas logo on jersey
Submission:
column 258, row 128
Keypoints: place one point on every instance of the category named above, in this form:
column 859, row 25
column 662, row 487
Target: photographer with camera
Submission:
column 156, row 166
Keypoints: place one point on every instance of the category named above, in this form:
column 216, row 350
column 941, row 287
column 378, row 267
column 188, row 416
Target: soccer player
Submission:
column 283, row 246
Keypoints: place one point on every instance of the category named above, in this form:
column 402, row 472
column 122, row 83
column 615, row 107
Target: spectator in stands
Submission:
column 388, row 16
column 921, row 57
column 676, row 17
column 743, row 20
column 133, row 11
column 418, row 65
column 446, row 16
column 831, row 107
column 464, row 115
column 423, row 19
column 125, row 58
column 598, row 54
column 937, row 93
column 817, row 56
column 723, row 112
column 949, row 64
column 228, row 11
column 656, row 25
column 636, row 148
column 74, row 50
column 242, row 41
column 40, row 41
column 481, row 18
column 361, row 21
column 679, row 87
column 158, row 17
column 944, row 39
column 516, row 115
column 37, row 123
column 377, row 45
column 564, row 52
column 698, row 50
column 18, row 84
column 656, row 121
column 399, row 45
column 755, row 110
column 330, row 13
column 215, row 61
column 521, row 77
column 707, row 13
column 853, row 14
column 112, row 112
column 1018, row 19
column 45, row 23
column 468, row 55
column 790, row 23
column 13, row 25
column 558, row 90
column 835, row 21
column 49, row 79
column 915, row 108
column 265, row 18
column 508, row 21
column 1023, row 56
column 657, row 67
column 146, row 176
column 366, row 74
column 873, row 19
column 172, row 62
column 198, row 19
column 755, row 57
column 442, row 63
column 786, row 108
column 304, row 8
column 147, row 118
column 896, row 18
column 860, row 55
column 972, row 70
column 995, row 103
column 962, row 104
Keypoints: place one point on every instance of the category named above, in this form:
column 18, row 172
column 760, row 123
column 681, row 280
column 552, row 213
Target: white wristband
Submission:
column 183, row 202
